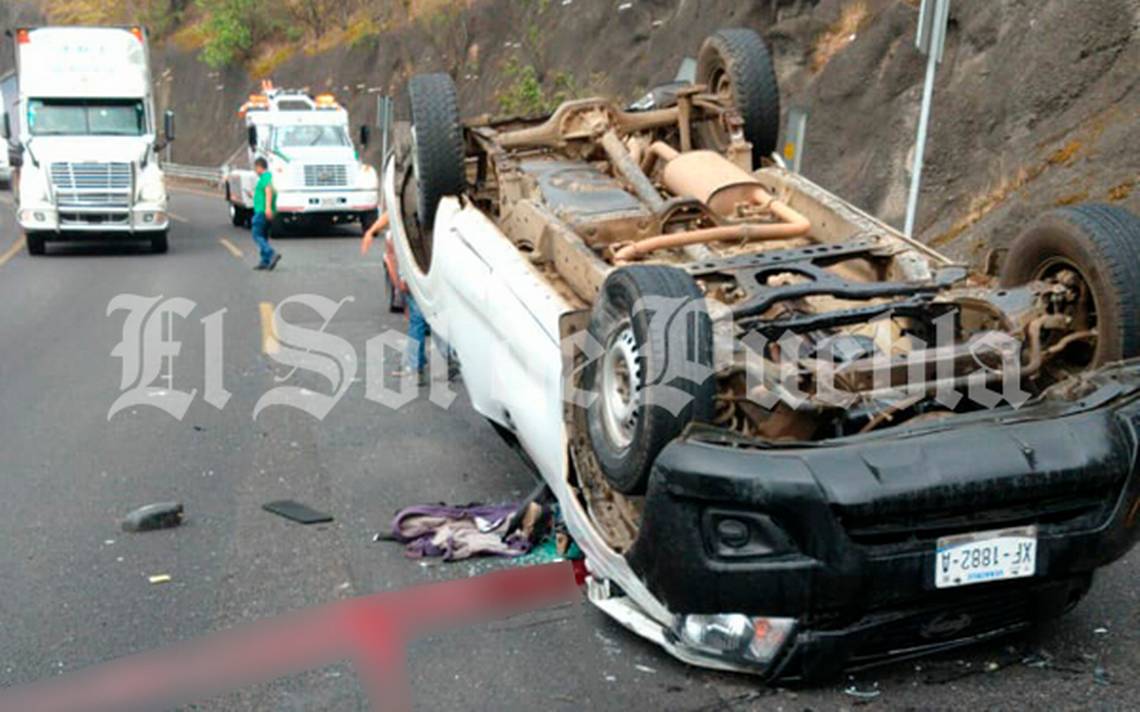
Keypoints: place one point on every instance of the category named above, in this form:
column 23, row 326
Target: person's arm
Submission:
column 372, row 232
column 269, row 201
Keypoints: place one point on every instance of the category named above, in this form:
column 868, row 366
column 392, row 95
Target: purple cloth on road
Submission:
column 456, row 533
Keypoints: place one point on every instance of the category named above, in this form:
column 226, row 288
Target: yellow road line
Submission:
column 231, row 247
column 11, row 251
column 269, row 343
column 177, row 218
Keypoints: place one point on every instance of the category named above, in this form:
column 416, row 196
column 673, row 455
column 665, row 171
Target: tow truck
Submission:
column 317, row 173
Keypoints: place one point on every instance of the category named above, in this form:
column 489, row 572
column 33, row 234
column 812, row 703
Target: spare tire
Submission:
column 654, row 375
column 437, row 142
column 737, row 65
column 1101, row 244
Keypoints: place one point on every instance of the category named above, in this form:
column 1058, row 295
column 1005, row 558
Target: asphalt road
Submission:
column 74, row 589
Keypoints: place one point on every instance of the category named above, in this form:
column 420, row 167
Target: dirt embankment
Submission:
column 1036, row 102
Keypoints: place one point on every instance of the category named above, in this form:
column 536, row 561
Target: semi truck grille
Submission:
column 92, row 185
column 326, row 176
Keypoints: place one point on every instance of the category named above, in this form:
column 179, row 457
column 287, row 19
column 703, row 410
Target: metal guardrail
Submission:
column 178, row 170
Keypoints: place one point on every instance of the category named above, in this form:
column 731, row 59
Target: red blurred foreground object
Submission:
column 371, row 631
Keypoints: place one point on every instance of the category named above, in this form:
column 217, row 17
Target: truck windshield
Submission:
column 86, row 117
column 297, row 136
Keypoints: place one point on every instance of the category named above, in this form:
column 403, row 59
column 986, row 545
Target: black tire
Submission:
column 237, row 214
column 35, row 243
column 737, row 61
column 437, row 150
column 1102, row 242
column 672, row 352
column 159, row 243
column 395, row 296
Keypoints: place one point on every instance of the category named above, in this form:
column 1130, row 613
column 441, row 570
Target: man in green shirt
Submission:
column 264, row 205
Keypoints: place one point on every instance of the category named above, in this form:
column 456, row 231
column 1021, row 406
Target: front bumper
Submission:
column 842, row 534
column 325, row 202
column 139, row 218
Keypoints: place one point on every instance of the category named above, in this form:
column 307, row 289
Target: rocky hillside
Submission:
column 1036, row 105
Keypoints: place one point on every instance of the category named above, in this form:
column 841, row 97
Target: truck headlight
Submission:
column 153, row 192
column 735, row 635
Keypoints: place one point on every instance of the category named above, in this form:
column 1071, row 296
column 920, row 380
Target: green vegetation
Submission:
column 160, row 17
column 230, row 28
column 525, row 95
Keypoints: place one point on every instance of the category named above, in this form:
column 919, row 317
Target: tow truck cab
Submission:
column 317, row 172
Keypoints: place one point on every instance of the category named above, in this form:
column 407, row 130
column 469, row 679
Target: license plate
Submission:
column 326, row 202
column 982, row 557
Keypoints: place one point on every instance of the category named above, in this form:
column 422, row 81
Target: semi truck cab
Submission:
column 85, row 139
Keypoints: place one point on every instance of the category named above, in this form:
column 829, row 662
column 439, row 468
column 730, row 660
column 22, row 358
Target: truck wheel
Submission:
column 437, row 142
column 34, row 242
column 237, row 215
column 736, row 65
column 1100, row 245
column 654, row 375
column 158, row 243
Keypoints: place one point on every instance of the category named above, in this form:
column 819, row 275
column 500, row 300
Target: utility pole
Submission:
column 930, row 40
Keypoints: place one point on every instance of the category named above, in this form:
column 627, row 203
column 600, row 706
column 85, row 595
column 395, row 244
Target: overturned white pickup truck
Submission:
column 789, row 440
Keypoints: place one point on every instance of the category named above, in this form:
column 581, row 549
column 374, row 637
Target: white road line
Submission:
column 231, row 247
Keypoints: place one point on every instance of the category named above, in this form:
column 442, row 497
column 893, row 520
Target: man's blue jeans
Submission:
column 415, row 357
column 260, row 229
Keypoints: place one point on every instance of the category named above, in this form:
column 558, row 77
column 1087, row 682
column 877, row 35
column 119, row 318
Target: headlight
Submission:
column 734, row 635
column 153, row 192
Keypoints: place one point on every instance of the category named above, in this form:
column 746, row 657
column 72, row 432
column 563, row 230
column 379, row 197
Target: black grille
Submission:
column 910, row 633
column 1062, row 513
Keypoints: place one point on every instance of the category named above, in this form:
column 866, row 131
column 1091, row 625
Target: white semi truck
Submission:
column 317, row 173
column 7, row 86
column 84, row 138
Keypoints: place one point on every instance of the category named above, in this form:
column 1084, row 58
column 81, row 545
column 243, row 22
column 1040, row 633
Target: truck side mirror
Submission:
column 7, row 127
column 168, row 125
column 253, row 137
column 365, row 135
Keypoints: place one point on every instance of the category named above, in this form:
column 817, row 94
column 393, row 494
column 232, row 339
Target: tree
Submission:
column 232, row 29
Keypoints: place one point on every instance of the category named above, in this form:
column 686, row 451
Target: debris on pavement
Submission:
column 1100, row 675
column 454, row 533
column 159, row 578
column 160, row 515
column 1100, row 631
column 529, row 532
column 301, row 513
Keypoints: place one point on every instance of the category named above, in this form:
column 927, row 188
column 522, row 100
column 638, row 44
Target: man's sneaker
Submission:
column 273, row 262
column 409, row 373
column 260, row 266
